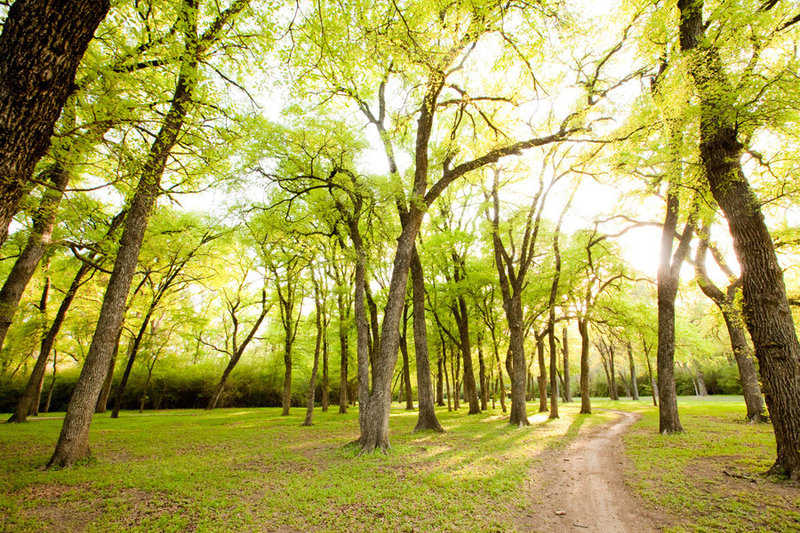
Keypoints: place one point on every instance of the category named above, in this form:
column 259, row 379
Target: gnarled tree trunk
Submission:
column 766, row 309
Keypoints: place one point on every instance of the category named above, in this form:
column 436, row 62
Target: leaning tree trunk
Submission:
column 41, row 46
column 427, row 414
column 25, row 405
column 73, row 442
column 39, row 239
column 462, row 322
column 751, row 390
column 726, row 302
column 766, row 309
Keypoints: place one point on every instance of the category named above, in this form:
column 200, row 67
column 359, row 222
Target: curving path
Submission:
column 582, row 488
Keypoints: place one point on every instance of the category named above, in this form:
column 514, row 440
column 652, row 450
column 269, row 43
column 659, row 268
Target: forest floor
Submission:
column 254, row 470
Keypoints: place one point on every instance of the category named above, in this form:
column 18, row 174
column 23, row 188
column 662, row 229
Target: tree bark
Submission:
column 41, row 46
column 634, row 383
column 427, row 413
column 542, row 374
column 312, row 384
column 482, row 376
column 462, row 322
column 726, row 302
column 766, row 309
column 586, row 403
column 39, row 239
column 565, row 352
column 73, row 442
column 406, row 383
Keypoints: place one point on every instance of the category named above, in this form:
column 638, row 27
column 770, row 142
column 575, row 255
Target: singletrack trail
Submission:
column 582, row 488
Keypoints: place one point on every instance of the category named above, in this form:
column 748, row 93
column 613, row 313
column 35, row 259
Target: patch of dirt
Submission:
column 582, row 488
column 68, row 508
column 730, row 481
column 62, row 507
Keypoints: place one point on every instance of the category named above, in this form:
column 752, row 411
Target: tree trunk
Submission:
column 406, row 366
column 542, row 375
column 668, row 271
column 39, row 239
column 465, row 345
column 519, row 412
column 73, row 442
column 553, row 370
column 427, row 413
column 41, row 46
column 102, row 401
column 653, row 384
column 287, row 376
column 701, row 383
column 499, row 374
column 25, row 405
column 344, row 352
column 586, row 403
column 612, row 369
column 312, row 384
column 726, row 302
column 634, row 383
column 133, row 351
column 751, row 390
column 326, row 400
column 439, row 383
column 446, row 376
column 52, row 384
column 565, row 351
column 455, row 361
column 482, row 376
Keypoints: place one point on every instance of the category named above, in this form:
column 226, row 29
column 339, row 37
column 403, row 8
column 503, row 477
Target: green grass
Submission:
column 251, row 469
column 685, row 473
column 254, row 470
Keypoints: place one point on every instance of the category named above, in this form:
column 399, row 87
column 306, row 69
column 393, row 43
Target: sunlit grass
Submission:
column 685, row 473
column 252, row 469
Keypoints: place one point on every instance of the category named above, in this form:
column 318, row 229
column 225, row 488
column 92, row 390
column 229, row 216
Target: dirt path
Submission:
column 583, row 487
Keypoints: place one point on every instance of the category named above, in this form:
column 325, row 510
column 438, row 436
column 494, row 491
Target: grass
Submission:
column 254, row 470
column 251, row 469
column 685, row 474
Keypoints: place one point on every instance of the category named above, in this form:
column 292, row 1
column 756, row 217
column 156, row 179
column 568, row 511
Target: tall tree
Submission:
column 766, row 309
column 73, row 443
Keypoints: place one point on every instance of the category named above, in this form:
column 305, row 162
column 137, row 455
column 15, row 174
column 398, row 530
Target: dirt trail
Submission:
column 583, row 487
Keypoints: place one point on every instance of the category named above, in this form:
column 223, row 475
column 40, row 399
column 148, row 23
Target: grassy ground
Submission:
column 251, row 469
column 708, row 478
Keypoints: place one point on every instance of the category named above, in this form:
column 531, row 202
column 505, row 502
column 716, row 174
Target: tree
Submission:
column 731, row 314
column 41, row 47
column 73, row 443
column 29, row 401
column 766, row 309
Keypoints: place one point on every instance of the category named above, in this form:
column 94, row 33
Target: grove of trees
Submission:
column 207, row 204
